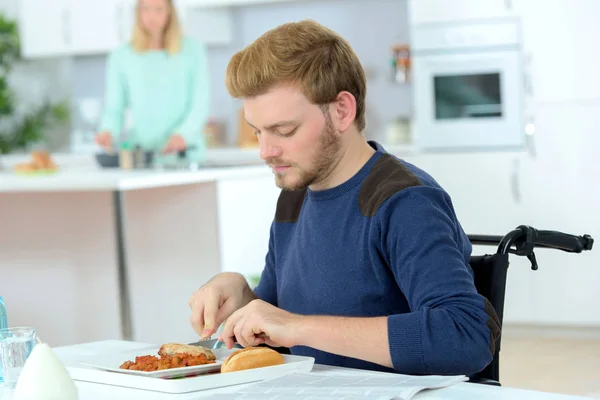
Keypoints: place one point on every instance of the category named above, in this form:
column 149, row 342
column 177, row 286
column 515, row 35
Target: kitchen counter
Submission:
column 93, row 179
column 81, row 172
column 90, row 253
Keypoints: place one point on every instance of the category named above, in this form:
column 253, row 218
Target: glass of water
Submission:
column 15, row 346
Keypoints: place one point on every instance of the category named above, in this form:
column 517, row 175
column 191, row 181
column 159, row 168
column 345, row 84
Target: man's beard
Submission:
column 324, row 161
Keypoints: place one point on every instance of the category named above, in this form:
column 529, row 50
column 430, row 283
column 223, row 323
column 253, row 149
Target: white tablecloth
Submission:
column 91, row 391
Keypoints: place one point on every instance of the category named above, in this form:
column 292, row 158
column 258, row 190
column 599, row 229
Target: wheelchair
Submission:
column 490, row 272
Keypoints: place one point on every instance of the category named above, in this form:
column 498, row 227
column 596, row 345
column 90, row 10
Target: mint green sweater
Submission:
column 166, row 95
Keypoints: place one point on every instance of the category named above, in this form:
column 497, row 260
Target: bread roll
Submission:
column 251, row 357
column 179, row 348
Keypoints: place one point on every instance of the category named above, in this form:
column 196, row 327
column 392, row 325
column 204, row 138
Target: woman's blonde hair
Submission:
column 304, row 53
column 140, row 39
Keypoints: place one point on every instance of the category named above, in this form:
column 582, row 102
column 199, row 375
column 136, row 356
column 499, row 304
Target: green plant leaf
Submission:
column 30, row 129
column 60, row 112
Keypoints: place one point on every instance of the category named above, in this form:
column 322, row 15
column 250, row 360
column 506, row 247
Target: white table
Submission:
column 91, row 391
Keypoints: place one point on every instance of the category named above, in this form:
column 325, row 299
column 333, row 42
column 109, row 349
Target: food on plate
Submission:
column 251, row 357
column 41, row 161
column 171, row 355
column 170, row 349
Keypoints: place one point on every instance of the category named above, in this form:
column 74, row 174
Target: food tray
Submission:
column 211, row 379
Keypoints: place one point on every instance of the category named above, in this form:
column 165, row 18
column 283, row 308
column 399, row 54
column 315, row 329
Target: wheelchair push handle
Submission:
column 564, row 241
column 525, row 238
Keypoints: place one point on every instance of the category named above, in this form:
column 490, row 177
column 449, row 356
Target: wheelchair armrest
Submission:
column 484, row 381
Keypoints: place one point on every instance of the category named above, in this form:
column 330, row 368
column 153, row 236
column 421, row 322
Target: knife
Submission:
column 208, row 343
column 211, row 343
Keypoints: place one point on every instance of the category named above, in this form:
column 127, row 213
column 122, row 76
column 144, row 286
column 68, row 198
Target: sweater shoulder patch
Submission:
column 388, row 177
column 289, row 205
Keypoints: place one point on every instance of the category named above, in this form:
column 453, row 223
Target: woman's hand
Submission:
column 176, row 143
column 104, row 140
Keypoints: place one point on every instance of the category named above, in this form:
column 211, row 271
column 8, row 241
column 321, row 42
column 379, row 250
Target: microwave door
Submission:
column 468, row 100
column 467, row 95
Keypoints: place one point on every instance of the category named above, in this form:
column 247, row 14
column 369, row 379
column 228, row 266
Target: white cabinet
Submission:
column 486, row 189
column 95, row 26
column 212, row 26
column 561, row 36
column 84, row 27
column 44, row 27
column 246, row 208
column 69, row 27
column 560, row 193
column 425, row 11
column 488, row 193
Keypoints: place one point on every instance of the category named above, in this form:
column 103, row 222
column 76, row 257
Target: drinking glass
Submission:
column 15, row 346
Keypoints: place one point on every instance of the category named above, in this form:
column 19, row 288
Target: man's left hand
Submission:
column 176, row 143
column 260, row 322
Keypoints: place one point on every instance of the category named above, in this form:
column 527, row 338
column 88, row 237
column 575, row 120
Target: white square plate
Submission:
column 112, row 361
column 206, row 381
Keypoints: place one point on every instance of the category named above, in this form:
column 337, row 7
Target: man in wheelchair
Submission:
column 367, row 266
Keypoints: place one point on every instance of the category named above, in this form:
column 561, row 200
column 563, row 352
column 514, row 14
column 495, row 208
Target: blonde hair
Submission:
column 140, row 40
column 304, row 53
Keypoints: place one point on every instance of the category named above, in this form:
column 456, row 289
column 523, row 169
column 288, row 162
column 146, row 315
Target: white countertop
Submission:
column 82, row 179
column 94, row 391
column 80, row 173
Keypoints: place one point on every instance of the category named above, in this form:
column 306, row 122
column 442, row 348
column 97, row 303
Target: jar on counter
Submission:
column 213, row 131
column 125, row 156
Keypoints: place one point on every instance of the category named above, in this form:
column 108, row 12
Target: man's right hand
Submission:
column 104, row 140
column 214, row 302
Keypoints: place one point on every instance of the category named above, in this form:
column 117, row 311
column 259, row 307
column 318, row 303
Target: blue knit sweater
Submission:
column 384, row 243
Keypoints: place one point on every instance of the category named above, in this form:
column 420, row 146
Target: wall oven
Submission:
column 468, row 87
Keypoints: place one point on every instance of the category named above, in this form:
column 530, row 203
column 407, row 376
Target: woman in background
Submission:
column 162, row 77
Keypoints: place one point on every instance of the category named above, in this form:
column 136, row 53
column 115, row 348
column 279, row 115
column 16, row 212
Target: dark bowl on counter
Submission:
column 107, row 160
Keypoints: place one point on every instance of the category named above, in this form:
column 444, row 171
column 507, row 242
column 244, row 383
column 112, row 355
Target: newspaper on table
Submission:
column 323, row 385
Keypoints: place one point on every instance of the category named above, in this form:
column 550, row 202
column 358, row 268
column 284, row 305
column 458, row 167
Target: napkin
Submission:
column 44, row 377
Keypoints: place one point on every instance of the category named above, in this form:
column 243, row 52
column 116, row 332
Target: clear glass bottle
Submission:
column 3, row 325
